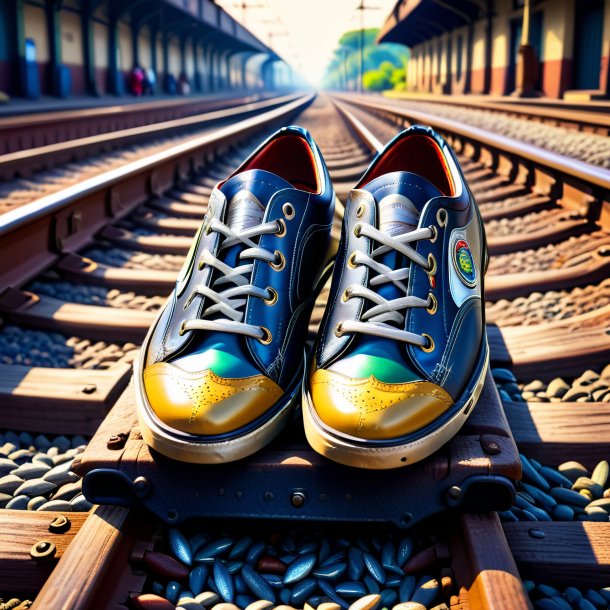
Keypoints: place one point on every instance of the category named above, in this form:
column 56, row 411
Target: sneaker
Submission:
column 401, row 356
column 221, row 367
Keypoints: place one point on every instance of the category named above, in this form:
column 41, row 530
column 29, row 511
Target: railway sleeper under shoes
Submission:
column 402, row 354
column 221, row 367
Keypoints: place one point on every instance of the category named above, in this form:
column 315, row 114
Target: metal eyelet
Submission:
column 441, row 217
column 281, row 261
column 351, row 261
column 432, row 304
column 339, row 330
column 431, row 270
column 347, row 295
column 288, row 210
column 272, row 300
column 182, row 330
column 281, row 228
column 434, row 233
column 430, row 345
column 360, row 211
column 267, row 336
column 358, row 230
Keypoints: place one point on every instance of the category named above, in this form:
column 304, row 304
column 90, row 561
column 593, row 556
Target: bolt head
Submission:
column 141, row 486
column 454, row 492
column 297, row 499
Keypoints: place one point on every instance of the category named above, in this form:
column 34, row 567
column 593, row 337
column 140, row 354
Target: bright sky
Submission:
column 305, row 32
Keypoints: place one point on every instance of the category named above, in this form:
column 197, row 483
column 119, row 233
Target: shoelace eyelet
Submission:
column 360, row 211
column 351, row 261
column 339, row 330
column 272, row 300
column 288, row 210
column 441, row 217
column 267, row 336
column 358, row 230
column 182, row 330
column 431, row 270
column 433, row 304
column 434, row 233
column 347, row 295
column 429, row 347
column 281, row 261
column 281, row 228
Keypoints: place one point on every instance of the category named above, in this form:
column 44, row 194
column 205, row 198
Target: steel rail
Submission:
column 56, row 201
column 36, row 234
column 28, row 160
column 594, row 120
column 597, row 177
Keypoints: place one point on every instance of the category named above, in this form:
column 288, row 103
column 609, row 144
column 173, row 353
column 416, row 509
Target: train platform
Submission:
column 45, row 104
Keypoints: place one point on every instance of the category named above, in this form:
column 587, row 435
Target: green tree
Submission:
column 383, row 63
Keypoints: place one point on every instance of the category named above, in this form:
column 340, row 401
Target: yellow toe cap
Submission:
column 204, row 403
column 371, row 409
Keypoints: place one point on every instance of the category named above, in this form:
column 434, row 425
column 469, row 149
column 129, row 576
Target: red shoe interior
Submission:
column 290, row 158
column 420, row 155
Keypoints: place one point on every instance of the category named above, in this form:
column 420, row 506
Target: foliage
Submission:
column 383, row 63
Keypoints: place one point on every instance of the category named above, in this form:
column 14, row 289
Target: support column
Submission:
column 267, row 74
column 527, row 62
column 209, row 69
column 114, row 82
column 135, row 51
column 165, row 53
column 244, row 71
column 216, row 71
column 183, row 55
column 54, row 36
column 223, row 70
column 229, row 81
column 16, row 43
column 88, row 48
column 154, row 34
column 488, row 48
column 467, row 71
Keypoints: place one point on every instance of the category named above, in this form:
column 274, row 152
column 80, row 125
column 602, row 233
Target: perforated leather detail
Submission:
column 369, row 408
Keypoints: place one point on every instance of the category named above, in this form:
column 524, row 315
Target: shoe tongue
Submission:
column 248, row 194
column 400, row 198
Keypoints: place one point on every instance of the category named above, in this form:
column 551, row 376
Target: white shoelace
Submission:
column 230, row 302
column 374, row 321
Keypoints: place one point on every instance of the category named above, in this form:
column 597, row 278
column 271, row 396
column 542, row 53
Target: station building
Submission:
column 556, row 48
column 81, row 47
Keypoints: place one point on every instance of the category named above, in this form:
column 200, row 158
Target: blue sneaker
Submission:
column 402, row 354
column 221, row 367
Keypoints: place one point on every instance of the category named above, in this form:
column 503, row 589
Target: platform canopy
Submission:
column 203, row 16
column 413, row 22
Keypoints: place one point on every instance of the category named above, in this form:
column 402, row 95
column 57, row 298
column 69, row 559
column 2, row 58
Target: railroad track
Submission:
column 562, row 114
column 26, row 131
column 100, row 257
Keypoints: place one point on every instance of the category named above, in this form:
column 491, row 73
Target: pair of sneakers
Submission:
column 401, row 354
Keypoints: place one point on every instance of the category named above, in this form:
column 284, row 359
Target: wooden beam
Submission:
column 95, row 571
column 484, row 567
column 58, row 401
column 20, row 530
column 550, row 432
column 561, row 553
column 101, row 323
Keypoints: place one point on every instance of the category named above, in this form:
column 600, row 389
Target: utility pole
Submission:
column 245, row 7
column 361, row 8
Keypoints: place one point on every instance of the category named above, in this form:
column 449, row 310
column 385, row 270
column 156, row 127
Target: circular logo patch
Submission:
column 464, row 263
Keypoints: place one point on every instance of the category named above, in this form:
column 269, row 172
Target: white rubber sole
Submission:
column 179, row 447
column 393, row 456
